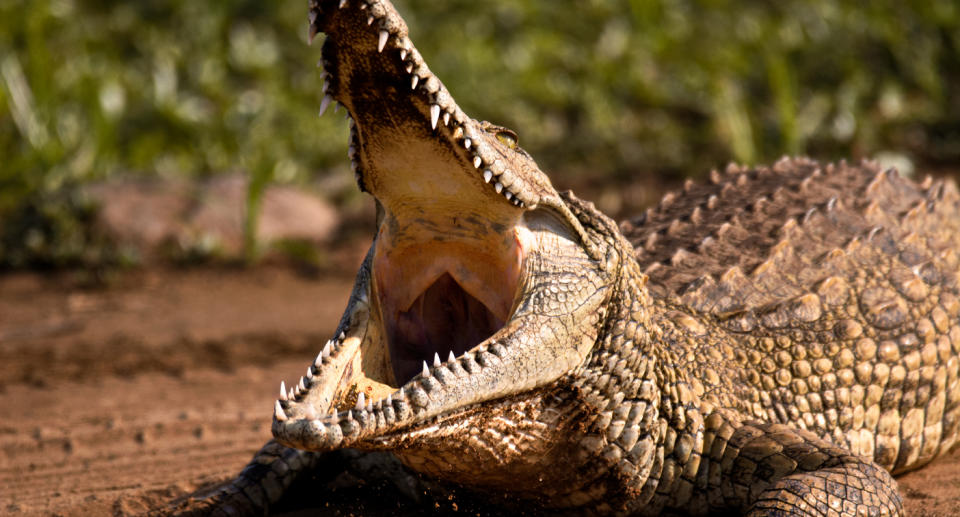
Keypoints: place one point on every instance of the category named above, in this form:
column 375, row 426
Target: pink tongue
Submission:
column 443, row 318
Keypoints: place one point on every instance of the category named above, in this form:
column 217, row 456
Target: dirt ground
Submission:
column 115, row 400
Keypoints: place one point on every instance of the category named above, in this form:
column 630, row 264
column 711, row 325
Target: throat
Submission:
column 444, row 319
column 442, row 295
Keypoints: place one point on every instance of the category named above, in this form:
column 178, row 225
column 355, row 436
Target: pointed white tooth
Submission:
column 283, row 391
column 278, row 412
column 450, row 357
column 349, row 414
column 414, row 81
column 403, row 54
column 326, row 349
column 467, row 143
column 446, row 118
column 409, row 68
column 389, row 399
column 310, row 413
column 301, row 385
column 291, row 394
column 325, row 87
column 342, row 336
column 370, row 20
column 325, row 103
column 434, row 115
column 370, row 407
column 383, row 40
column 477, row 161
column 498, row 187
column 487, row 175
column 309, row 373
column 426, row 369
column 508, row 195
column 343, row 3
column 361, row 400
column 363, row 6
column 402, row 395
column 318, row 362
column 436, row 360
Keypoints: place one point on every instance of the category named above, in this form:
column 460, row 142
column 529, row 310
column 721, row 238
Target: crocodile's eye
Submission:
column 507, row 137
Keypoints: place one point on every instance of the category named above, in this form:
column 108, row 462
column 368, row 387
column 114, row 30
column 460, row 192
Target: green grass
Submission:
column 602, row 91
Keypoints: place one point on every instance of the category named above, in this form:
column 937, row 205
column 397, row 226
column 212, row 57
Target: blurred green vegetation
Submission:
column 600, row 92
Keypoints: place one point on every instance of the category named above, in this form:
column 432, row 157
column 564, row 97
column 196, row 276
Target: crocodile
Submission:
column 776, row 341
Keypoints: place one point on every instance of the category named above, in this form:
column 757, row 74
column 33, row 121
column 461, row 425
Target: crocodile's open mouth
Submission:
column 431, row 325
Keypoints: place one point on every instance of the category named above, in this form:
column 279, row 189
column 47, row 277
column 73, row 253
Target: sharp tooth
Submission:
column 318, row 362
column 446, row 118
column 342, row 336
column 477, row 161
column 278, row 412
column 370, row 407
column 325, row 103
column 487, row 175
column 426, row 370
column 389, row 399
column 326, row 349
column 434, row 115
column 349, row 414
column 402, row 395
column 436, row 360
column 499, row 187
column 291, row 394
column 283, row 391
column 414, row 81
column 361, row 400
column 301, row 385
column 409, row 68
column 403, row 54
column 450, row 357
column 467, row 143
column 309, row 373
column 370, row 20
column 343, row 3
column 457, row 132
column 508, row 195
column 383, row 40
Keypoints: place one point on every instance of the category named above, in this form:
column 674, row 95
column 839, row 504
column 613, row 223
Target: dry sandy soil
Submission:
column 115, row 400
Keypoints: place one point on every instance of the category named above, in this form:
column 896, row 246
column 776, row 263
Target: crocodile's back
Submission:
column 821, row 297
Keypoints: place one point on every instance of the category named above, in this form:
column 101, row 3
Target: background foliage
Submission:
column 600, row 91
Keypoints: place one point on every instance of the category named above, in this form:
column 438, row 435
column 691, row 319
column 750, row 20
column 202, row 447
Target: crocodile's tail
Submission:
column 260, row 484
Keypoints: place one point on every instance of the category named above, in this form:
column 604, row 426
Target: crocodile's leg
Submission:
column 259, row 486
column 772, row 469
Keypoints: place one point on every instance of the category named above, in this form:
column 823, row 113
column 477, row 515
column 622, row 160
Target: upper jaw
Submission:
column 373, row 69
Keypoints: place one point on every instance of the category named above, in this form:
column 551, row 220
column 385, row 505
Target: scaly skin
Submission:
column 775, row 342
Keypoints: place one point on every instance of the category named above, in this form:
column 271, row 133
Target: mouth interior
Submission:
column 442, row 319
